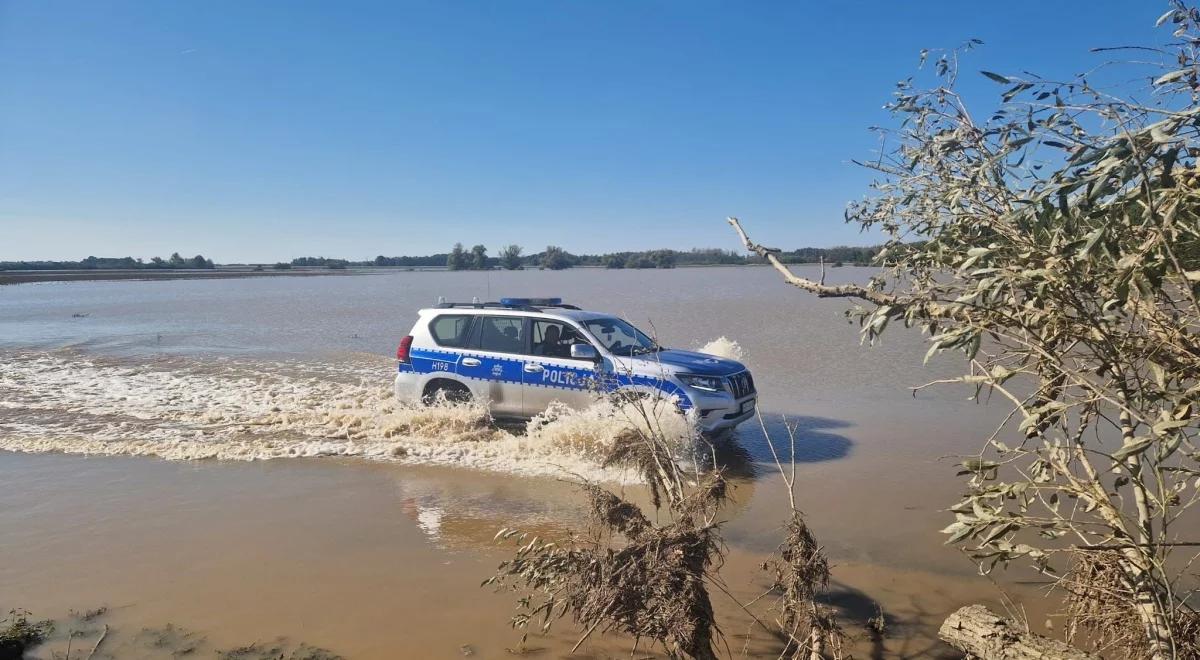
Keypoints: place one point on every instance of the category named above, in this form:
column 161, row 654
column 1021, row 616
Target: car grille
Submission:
column 741, row 384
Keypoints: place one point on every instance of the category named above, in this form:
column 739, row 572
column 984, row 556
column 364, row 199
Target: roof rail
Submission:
column 503, row 305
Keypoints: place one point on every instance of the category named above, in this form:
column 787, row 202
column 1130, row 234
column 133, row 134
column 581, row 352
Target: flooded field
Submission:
column 370, row 530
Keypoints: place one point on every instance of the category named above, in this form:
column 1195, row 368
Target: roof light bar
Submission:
column 531, row 302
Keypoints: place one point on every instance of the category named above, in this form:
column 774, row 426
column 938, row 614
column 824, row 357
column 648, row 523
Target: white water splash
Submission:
column 236, row 410
column 723, row 347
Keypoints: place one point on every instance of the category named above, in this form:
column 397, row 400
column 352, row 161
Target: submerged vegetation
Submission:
column 18, row 633
column 1058, row 249
column 86, row 635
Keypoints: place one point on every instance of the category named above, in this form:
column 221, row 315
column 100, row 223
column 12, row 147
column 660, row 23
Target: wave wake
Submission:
column 189, row 409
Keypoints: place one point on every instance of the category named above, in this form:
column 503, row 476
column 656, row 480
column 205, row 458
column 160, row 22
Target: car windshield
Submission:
column 620, row 337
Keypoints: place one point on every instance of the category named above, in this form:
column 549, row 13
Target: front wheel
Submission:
column 649, row 400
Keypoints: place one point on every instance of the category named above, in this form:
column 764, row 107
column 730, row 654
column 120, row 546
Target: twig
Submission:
column 592, row 628
column 98, row 643
column 745, row 608
column 1155, row 544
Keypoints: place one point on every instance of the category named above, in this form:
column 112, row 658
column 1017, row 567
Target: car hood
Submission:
column 692, row 362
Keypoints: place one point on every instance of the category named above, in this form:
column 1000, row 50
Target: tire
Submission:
column 451, row 391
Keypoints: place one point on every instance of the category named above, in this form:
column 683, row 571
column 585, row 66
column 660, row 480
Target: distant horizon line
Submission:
column 435, row 255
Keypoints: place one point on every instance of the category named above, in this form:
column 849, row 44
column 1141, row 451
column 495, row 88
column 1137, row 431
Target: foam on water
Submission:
column 186, row 409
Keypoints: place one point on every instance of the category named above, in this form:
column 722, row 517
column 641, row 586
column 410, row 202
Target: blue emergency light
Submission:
column 531, row 302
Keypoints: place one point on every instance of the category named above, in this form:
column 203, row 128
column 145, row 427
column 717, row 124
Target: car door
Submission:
column 496, row 358
column 550, row 374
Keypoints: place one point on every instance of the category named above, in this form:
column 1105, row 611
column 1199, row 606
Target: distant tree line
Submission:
column 434, row 260
column 319, row 262
column 655, row 259
column 511, row 257
column 112, row 263
column 859, row 256
column 556, row 258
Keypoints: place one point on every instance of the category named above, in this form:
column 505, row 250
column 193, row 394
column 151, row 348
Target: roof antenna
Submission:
column 441, row 300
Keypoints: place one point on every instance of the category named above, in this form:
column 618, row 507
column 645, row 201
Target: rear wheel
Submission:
column 446, row 390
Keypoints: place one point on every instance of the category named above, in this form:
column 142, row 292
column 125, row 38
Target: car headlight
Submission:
column 706, row 383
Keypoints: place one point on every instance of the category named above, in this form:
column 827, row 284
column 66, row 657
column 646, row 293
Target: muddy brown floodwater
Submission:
column 136, row 417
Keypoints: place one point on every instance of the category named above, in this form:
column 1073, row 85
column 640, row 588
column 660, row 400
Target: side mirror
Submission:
column 584, row 352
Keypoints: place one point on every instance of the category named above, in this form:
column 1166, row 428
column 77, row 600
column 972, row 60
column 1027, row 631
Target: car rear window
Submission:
column 453, row 330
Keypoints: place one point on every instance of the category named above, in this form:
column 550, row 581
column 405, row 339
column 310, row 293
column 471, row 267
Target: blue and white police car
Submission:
column 521, row 354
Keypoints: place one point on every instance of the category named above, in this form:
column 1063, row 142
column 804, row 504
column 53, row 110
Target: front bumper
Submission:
column 729, row 414
column 725, row 409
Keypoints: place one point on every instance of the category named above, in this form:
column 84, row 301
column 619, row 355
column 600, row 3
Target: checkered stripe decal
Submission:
column 494, row 368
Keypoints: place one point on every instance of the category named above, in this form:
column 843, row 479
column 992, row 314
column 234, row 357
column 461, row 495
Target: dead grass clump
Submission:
column 652, row 461
column 800, row 574
column 612, row 512
column 1187, row 634
column 1100, row 602
column 624, row 575
column 801, row 569
column 280, row 649
column 171, row 638
column 649, row 580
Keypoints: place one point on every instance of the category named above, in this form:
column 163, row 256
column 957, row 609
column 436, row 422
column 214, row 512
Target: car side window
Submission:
column 554, row 339
column 452, row 330
column 502, row 334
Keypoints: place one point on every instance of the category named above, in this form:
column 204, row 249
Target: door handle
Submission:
column 470, row 362
column 533, row 368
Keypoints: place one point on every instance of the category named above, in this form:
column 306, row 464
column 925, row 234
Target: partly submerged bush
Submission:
column 18, row 633
column 624, row 573
column 649, row 579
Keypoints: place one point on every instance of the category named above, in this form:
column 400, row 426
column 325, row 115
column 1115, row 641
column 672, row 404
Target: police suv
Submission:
column 521, row 354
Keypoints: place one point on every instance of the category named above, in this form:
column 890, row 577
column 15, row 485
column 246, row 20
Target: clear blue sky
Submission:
column 267, row 130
